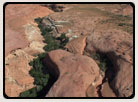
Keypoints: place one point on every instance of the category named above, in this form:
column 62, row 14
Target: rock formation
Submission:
column 17, row 78
column 123, row 81
column 16, row 16
column 117, row 45
column 91, row 29
column 106, row 91
column 23, row 41
column 77, row 45
column 76, row 73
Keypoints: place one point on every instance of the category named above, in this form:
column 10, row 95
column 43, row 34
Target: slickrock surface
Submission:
column 76, row 73
column 17, row 73
column 109, row 40
column 77, row 45
column 123, row 81
column 23, row 41
column 118, row 47
column 107, row 29
column 16, row 16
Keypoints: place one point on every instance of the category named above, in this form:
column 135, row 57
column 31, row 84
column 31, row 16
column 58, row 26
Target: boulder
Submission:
column 74, row 72
column 77, row 45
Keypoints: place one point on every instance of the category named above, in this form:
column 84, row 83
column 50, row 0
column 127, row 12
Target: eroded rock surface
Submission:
column 76, row 73
column 17, row 77
column 23, row 41
column 77, row 45
column 109, row 40
column 106, row 90
column 123, row 81
column 16, row 16
column 118, row 46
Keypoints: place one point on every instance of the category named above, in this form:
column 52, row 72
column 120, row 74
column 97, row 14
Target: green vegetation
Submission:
column 52, row 42
column 102, row 60
column 54, row 7
column 124, row 23
column 112, row 20
column 41, row 78
column 29, row 93
column 37, row 71
column 116, row 19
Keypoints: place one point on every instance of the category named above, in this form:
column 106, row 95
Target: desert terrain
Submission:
column 69, row 50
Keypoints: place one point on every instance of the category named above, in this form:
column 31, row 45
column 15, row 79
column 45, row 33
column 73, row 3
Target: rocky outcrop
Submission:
column 35, row 39
column 118, row 46
column 23, row 41
column 78, row 75
column 109, row 40
column 77, row 45
column 17, row 78
column 16, row 16
column 75, row 73
column 123, row 81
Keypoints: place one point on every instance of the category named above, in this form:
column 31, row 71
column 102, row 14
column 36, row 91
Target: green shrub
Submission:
column 52, row 46
column 121, row 24
column 63, row 40
column 103, row 66
column 40, row 78
column 29, row 93
column 38, row 20
column 103, row 61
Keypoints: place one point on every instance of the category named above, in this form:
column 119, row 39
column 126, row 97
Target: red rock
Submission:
column 123, row 81
column 128, row 10
column 106, row 91
column 17, row 77
column 77, row 45
column 16, row 16
column 18, row 19
column 118, row 46
column 76, row 73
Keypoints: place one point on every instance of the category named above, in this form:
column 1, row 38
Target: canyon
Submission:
column 97, row 60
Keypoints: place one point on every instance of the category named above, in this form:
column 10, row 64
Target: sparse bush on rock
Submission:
column 102, row 60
